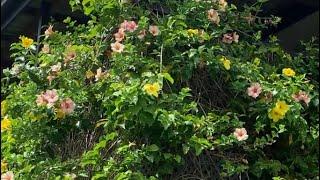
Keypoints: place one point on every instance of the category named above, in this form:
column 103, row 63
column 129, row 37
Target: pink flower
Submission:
column 119, row 36
column 49, row 31
column 7, row 176
column 117, row 47
column 51, row 97
column 129, row 25
column 213, row 16
column 154, row 30
column 67, row 106
column 241, row 134
column 301, row 96
column 41, row 100
column 142, row 34
column 254, row 90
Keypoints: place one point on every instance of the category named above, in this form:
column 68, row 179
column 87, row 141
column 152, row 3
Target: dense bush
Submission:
column 160, row 90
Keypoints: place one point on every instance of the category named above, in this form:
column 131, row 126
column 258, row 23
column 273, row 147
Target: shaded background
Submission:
column 300, row 20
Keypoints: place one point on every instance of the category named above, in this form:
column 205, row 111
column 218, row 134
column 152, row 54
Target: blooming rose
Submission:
column 129, row 26
column 67, row 106
column 254, row 90
column 301, row 96
column 117, row 47
column 240, row 134
column 51, row 96
column 7, row 176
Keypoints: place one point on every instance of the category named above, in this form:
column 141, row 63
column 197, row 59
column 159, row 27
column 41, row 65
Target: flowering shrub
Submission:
column 160, row 90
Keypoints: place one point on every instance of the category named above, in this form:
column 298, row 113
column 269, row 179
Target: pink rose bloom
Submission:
column 119, row 36
column 129, row 25
column 241, row 134
column 154, row 30
column 41, row 100
column 142, row 34
column 254, row 90
column 51, row 96
column 117, row 47
column 7, row 176
column 49, row 31
column 67, row 106
column 301, row 96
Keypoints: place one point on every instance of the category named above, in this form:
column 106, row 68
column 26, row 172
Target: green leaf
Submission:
column 168, row 77
column 152, row 148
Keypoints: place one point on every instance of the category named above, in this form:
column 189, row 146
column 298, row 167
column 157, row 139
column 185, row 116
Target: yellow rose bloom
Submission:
column 282, row 106
column 288, row 72
column 226, row 62
column 152, row 89
column 5, row 124
column 276, row 114
column 4, row 166
column 4, row 107
column 26, row 42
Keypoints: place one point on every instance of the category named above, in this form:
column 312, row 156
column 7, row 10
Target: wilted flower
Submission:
column 229, row 38
column 67, row 106
column 241, row 134
column 7, row 176
column 213, row 16
column 48, row 32
column 50, row 78
column 99, row 74
column 45, row 49
column 142, row 34
column 222, row 5
column 154, row 30
column 119, row 36
column 4, row 165
column 117, row 47
column 254, row 90
column 89, row 74
column 70, row 55
column 26, row 42
column 56, row 68
column 152, row 89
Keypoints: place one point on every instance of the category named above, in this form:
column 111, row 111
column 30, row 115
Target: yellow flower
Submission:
column 60, row 114
column 276, row 114
column 26, row 42
column 226, row 63
column 282, row 106
column 89, row 74
column 4, row 166
column 5, row 124
column 192, row 32
column 288, row 72
column 152, row 89
column 4, row 107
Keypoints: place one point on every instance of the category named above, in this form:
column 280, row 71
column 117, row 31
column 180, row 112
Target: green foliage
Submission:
column 178, row 84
